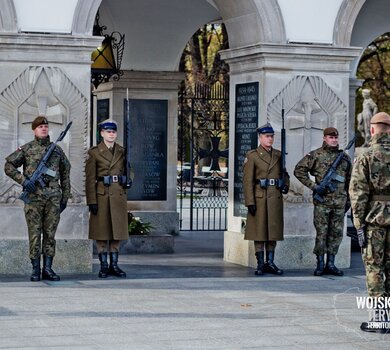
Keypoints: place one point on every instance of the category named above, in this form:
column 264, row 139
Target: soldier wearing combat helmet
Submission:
column 329, row 215
column 46, row 203
column 263, row 191
column 370, row 199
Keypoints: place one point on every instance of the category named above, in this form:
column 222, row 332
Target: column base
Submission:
column 295, row 252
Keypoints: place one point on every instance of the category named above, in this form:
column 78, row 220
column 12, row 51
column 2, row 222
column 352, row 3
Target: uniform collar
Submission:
column 43, row 141
column 328, row 148
column 380, row 138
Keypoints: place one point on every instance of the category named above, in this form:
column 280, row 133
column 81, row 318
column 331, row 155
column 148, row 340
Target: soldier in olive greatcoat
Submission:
column 328, row 215
column 46, row 203
column 370, row 199
column 263, row 197
column 106, row 193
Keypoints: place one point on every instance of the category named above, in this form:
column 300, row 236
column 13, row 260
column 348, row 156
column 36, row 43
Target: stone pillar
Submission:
column 162, row 214
column 312, row 85
column 50, row 75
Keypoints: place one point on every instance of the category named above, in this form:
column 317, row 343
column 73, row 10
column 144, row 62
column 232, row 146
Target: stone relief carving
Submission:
column 310, row 106
column 46, row 91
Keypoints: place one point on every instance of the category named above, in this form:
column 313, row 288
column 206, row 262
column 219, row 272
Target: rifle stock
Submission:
column 42, row 169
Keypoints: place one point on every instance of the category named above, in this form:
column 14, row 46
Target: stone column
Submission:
column 312, row 85
column 162, row 214
column 50, row 75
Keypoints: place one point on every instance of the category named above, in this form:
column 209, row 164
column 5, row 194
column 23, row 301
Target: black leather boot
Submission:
column 47, row 272
column 330, row 268
column 373, row 326
column 103, row 273
column 36, row 270
column 260, row 263
column 114, row 269
column 270, row 267
column 319, row 271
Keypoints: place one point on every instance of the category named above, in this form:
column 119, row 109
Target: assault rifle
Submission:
column 42, row 168
column 126, row 179
column 328, row 182
column 283, row 169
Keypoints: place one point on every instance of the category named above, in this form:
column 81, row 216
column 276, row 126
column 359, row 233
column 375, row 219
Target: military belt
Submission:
column 109, row 179
column 380, row 197
column 264, row 183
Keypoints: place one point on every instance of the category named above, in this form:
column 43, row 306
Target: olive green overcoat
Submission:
column 110, row 223
column 267, row 224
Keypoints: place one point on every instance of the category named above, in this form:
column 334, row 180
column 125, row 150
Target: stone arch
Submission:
column 84, row 16
column 345, row 21
column 8, row 19
column 252, row 22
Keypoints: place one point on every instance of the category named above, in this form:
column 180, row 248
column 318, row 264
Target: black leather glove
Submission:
column 319, row 189
column 285, row 189
column 252, row 209
column 361, row 234
column 29, row 186
column 93, row 208
column 63, row 204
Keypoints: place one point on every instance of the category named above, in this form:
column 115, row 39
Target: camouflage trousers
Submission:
column 376, row 258
column 42, row 217
column 329, row 224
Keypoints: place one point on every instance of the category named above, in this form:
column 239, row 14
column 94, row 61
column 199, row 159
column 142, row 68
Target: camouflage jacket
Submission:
column 370, row 179
column 317, row 163
column 29, row 156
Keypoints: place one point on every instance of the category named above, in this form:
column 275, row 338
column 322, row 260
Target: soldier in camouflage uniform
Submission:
column 43, row 212
column 370, row 198
column 329, row 215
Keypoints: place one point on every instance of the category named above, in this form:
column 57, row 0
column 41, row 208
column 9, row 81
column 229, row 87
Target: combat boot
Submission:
column 269, row 266
column 330, row 268
column 114, row 269
column 319, row 271
column 36, row 270
column 375, row 324
column 47, row 272
column 103, row 273
column 260, row 263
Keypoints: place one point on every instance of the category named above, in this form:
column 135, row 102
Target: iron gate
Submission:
column 202, row 180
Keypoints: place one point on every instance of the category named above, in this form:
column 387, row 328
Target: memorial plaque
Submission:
column 147, row 142
column 246, row 119
column 102, row 113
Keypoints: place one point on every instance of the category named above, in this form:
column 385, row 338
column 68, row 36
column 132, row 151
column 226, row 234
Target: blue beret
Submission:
column 107, row 125
column 265, row 129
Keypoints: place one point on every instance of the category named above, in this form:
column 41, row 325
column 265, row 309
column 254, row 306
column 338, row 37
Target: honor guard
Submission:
column 105, row 186
column 264, row 200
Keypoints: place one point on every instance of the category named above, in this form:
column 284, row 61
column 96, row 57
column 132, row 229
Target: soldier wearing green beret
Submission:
column 46, row 203
column 263, row 191
column 329, row 215
column 370, row 199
